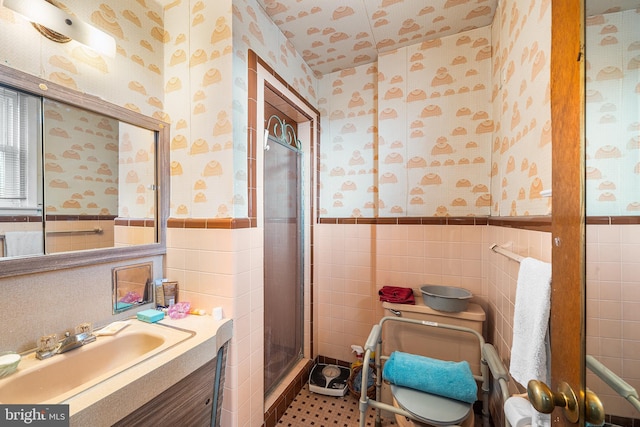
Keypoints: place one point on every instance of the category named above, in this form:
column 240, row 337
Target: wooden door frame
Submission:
column 567, row 323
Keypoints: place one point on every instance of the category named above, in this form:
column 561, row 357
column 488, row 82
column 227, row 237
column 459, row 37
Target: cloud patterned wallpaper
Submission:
column 136, row 168
column 95, row 165
column 253, row 29
column 456, row 126
column 520, row 95
column 206, row 98
column 197, row 95
column 348, row 167
column 420, row 143
column 81, row 170
column 185, row 62
column 613, row 113
column 435, row 164
column 175, row 61
column 332, row 36
column 132, row 79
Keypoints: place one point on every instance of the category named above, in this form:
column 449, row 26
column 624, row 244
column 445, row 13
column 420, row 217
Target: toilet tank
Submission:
column 444, row 344
column 437, row 343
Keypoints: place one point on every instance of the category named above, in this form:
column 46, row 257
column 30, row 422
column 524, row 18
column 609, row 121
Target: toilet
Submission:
column 440, row 344
column 405, row 422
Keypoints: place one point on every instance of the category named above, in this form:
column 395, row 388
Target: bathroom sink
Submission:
column 62, row 376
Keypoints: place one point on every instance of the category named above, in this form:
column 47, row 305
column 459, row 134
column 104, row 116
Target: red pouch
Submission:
column 396, row 295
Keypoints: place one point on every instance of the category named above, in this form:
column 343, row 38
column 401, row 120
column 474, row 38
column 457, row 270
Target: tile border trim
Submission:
column 538, row 223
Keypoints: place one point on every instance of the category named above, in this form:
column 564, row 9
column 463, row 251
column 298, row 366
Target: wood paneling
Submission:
column 187, row 403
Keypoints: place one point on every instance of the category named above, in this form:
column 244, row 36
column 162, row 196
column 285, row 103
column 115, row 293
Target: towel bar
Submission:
column 96, row 230
column 502, row 251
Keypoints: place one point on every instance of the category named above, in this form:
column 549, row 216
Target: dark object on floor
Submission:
column 355, row 382
column 329, row 379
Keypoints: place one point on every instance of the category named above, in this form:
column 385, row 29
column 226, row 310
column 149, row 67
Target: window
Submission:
column 20, row 142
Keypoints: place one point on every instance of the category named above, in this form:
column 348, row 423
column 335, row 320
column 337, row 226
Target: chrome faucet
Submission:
column 49, row 344
column 74, row 341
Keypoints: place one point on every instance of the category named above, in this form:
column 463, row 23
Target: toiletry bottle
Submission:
column 359, row 351
column 159, row 293
column 170, row 293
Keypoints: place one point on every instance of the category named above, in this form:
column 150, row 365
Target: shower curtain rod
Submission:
column 502, row 251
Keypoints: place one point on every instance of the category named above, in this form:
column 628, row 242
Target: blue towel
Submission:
column 443, row 378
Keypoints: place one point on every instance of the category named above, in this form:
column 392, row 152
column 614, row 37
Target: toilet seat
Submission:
column 431, row 409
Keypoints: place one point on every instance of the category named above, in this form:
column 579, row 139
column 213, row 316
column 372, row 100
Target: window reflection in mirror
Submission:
column 20, row 174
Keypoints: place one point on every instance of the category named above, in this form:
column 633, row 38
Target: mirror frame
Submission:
column 63, row 260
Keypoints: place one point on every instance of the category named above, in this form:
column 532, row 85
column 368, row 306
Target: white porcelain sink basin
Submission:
column 62, row 376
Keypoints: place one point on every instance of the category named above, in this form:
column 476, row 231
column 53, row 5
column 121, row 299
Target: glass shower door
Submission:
column 283, row 279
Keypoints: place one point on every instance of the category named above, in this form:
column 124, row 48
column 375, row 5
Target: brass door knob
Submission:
column 593, row 409
column 544, row 400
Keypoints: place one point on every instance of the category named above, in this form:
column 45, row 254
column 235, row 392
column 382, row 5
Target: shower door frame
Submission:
column 300, row 268
column 308, row 119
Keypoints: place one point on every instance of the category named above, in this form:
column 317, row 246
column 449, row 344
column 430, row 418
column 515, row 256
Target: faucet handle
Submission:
column 83, row 328
column 47, row 343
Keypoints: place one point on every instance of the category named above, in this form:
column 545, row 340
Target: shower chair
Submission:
column 425, row 407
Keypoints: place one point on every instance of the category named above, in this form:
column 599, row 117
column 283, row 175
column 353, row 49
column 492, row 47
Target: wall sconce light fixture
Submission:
column 59, row 26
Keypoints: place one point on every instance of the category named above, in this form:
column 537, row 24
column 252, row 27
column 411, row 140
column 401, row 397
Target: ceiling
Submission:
column 335, row 34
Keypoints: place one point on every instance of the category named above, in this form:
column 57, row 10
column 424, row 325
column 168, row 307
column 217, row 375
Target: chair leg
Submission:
column 378, row 367
column 363, row 409
column 485, row 393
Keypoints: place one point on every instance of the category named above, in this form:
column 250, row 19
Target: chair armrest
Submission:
column 620, row 386
column 374, row 336
column 497, row 368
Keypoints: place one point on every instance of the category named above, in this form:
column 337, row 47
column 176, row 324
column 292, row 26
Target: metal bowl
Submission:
column 446, row 298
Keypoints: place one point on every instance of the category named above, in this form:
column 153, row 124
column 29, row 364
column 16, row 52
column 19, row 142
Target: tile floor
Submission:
column 312, row 409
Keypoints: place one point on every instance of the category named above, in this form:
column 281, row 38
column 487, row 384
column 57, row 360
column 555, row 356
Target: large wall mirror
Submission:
column 612, row 128
column 81, row 180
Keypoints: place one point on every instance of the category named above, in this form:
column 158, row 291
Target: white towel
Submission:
column 531, row 322
column 18, row 243
column 520, row 413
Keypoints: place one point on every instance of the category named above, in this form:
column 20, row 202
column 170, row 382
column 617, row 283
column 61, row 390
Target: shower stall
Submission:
column 283, row 253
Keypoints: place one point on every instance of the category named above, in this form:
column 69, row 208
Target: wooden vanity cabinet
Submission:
column 186, row 403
